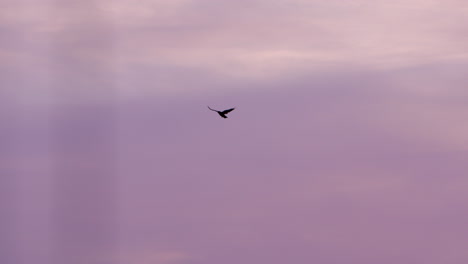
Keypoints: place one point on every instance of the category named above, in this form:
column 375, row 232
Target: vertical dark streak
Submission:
column 84, row 141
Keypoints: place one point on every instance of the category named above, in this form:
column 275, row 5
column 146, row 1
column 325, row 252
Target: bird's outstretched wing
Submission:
column 227, row 111
column 212, row 109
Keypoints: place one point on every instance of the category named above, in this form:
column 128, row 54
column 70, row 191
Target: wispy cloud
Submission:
column 348, row 143
column 254, row 40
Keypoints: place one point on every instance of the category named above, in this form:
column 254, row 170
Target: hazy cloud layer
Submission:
column 348, row 144
column 263, row 40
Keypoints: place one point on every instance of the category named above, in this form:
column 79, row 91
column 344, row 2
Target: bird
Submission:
column 222, row 113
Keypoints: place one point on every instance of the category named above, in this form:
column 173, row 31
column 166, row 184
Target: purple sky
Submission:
column 349, row 143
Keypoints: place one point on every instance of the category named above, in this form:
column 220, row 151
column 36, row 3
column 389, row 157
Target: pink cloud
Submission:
column 348, row 143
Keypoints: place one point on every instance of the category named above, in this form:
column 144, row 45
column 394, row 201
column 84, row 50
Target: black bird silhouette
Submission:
column 222, row 113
